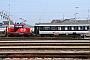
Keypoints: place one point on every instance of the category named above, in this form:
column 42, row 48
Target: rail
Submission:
column 45, row 55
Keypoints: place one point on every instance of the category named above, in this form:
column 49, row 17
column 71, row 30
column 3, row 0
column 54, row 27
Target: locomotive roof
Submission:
column 18, row 24
column 66, row 22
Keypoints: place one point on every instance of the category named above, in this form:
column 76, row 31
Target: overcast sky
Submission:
column 45, row 10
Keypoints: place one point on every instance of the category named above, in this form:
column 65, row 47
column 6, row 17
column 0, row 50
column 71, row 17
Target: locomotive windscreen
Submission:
column 17, row 27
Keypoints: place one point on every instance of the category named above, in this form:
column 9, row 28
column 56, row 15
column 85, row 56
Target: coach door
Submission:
column 36, row 30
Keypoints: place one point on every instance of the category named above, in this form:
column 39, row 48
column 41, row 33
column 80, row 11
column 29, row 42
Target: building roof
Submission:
column 65, row 22
column 7, row 22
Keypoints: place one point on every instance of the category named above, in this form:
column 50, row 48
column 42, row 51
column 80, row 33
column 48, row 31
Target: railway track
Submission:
column 46, row 55
column 45, row 49
column 44, row 44
column 39, row 38
column 47, row 41
column 43, row 59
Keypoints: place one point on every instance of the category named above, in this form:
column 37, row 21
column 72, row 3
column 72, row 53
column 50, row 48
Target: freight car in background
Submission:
column 65, row 27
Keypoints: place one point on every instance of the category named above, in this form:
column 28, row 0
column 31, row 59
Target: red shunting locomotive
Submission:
column 19, row 30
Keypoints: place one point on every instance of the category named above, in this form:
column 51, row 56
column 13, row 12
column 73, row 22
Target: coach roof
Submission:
column 65, row 22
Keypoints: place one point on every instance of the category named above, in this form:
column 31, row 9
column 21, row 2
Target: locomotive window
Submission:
column 19, row 26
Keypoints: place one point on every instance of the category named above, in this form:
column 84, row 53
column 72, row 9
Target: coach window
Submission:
column 53, row 28
column 72, row 27
column 78, row 27
column 41, row 28
column 86, row 28
column 82, row 28
column 66, row 28
column 59, row 28
column 46, row 28
column 62, row 28
column 69, row 28
column 37, row 28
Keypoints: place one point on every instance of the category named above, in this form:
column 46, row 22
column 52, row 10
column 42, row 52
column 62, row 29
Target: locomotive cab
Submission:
column 17, row 27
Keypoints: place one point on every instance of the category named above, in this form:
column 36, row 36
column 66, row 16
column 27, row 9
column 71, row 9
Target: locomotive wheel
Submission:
column 11, row 35
column 25, row 35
